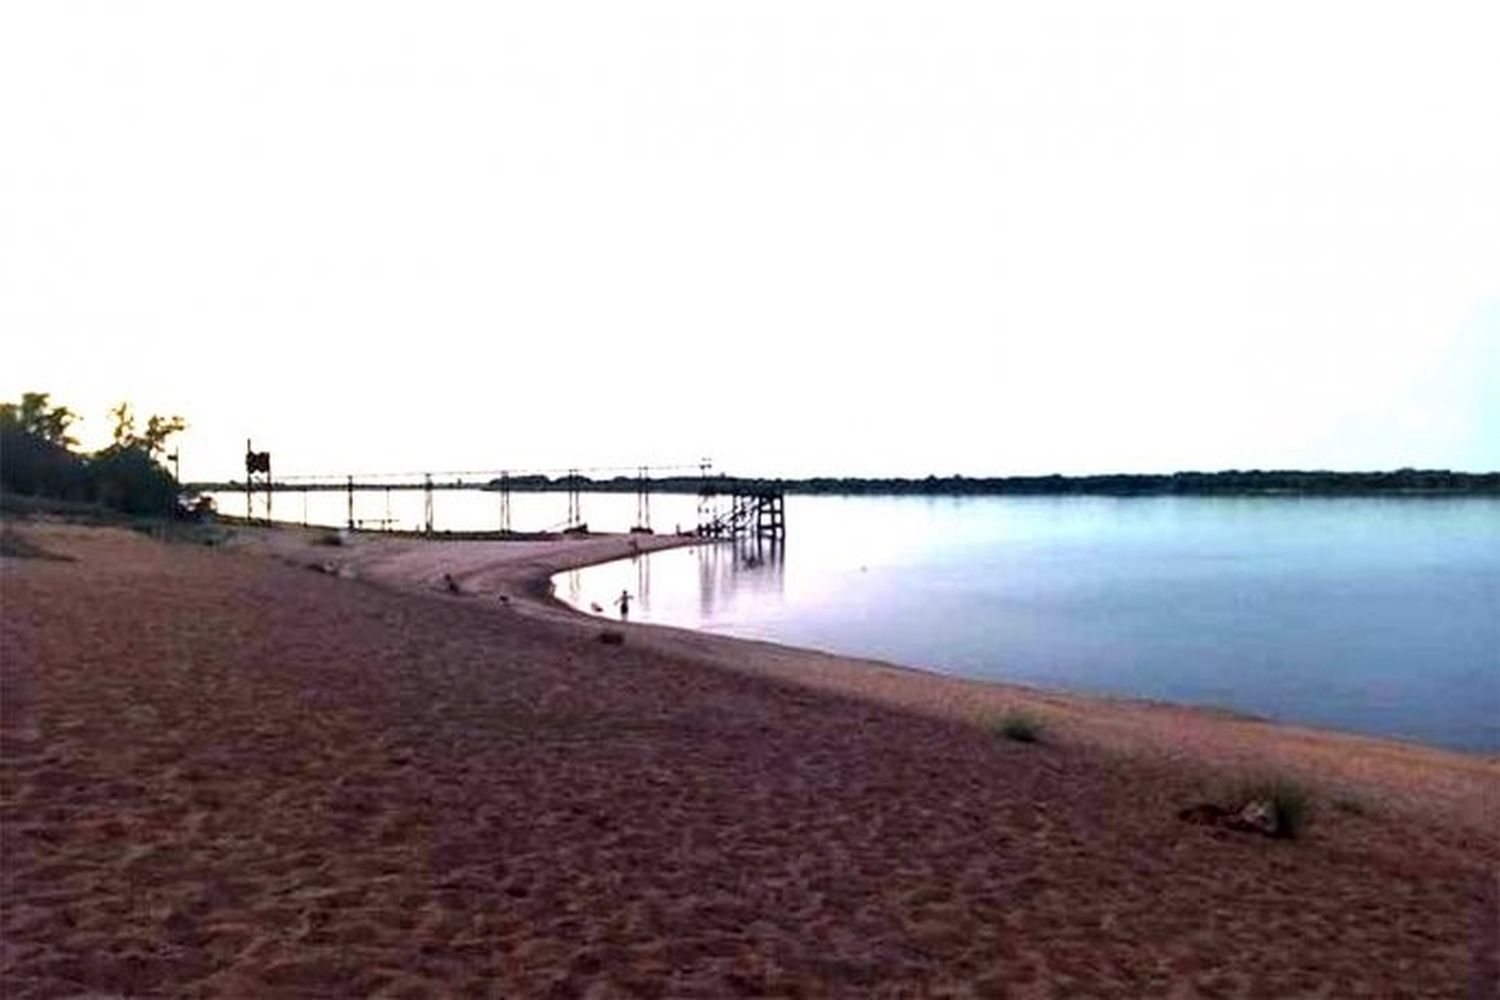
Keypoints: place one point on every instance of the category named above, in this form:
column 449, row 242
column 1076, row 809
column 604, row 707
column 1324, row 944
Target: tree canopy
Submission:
column 37, row 457
column 33, row 416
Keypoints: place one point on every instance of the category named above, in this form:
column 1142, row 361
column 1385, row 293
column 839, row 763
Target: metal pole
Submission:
column 427, row 499
column 349, row 487
column 505, row 502
column 705, row 467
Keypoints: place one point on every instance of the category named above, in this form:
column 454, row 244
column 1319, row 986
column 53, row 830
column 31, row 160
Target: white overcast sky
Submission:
column 799, row 237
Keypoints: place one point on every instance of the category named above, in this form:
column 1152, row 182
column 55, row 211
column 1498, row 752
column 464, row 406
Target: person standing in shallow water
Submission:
column 624, row 602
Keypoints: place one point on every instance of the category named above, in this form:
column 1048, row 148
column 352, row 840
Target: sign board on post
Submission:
column 256, row 462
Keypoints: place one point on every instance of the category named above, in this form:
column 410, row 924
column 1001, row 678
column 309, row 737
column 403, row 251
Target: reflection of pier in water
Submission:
column 748, row 563
column 643, row 582
column 727, row 571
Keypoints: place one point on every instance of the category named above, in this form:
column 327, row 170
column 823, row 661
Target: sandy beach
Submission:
column 274, row 767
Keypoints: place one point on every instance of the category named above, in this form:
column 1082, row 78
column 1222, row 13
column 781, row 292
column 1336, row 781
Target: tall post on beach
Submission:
column 349, row 487
column 249, row 471
column 575, row 506
column 505, row 502
column 427, row 500
column 256, row 462
column 705, row 494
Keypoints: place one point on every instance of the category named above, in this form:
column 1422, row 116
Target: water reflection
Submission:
column 714, row 580
column 753, row 567
column 643, row 582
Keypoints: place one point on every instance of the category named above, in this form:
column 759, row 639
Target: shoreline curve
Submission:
column 1413, row 778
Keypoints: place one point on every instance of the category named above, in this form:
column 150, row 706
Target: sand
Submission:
column 223, row 774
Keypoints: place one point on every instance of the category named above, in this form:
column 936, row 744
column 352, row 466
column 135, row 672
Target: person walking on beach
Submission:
column 624, row 602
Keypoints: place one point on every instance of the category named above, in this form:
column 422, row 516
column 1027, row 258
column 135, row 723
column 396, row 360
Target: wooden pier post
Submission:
column 427, row 500
column 505, row 502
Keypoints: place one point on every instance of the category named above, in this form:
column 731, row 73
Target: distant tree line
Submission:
column 1229, row 483
column 38, row 457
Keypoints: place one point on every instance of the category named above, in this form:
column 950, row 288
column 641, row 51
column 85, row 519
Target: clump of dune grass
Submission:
column 334, row 538
column 1020, row 727
column 1289, row 804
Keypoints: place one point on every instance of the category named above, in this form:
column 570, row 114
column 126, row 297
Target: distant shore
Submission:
column 280, row 763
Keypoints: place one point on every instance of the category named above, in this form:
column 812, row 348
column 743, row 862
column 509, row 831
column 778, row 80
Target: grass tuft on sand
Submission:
column 1289, row 802
column 1019, row 727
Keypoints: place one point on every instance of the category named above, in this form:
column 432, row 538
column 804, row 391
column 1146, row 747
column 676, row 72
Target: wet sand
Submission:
column 223, row 774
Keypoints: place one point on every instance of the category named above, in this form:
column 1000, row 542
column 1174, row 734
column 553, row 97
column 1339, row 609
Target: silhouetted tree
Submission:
column 33, row 416
column 36, row 457
column 128, row 475
column 158, row 429
column 154, row 440
column 123, row 431
column 34, row 449
column 129, row 479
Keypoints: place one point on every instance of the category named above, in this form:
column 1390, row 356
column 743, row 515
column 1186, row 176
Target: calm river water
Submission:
column 1376, row 615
